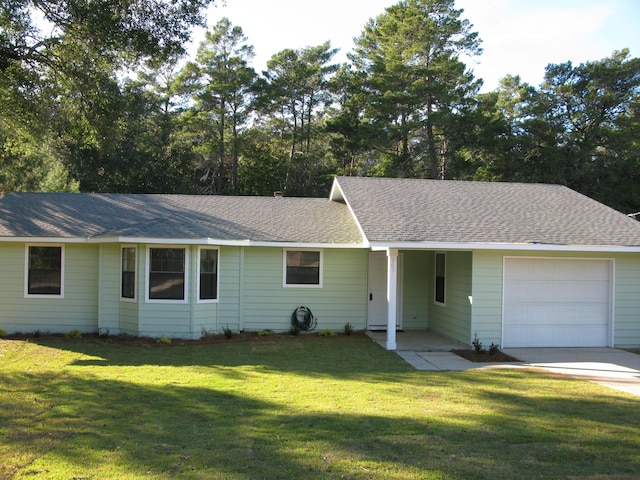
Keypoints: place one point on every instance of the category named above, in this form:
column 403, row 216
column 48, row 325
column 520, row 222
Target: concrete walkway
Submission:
column 611, row 367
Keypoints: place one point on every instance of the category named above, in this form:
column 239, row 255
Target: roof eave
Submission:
column 183, row 241
column 467, row 246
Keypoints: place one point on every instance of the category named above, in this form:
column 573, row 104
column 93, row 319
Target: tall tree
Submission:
column 61, row 58
column 220, row 81
column 580, row 128
column 293, row 97
column 415, row 83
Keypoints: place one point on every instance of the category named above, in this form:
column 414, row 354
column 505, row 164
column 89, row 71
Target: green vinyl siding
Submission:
column 627, row 301
column 416, row 285
column 487, row 297
column 342, row 298
column 109, row 314
column 453, row 319
column 77, row 310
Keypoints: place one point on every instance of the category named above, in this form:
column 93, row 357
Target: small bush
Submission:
column 104, row 333
column 36, row 333
column 75, row 333
column 205, row 334
column 477, row 344
column 228, row 333
column 327, row 332
column 493, row 349
column 294, row 330
column 3, row 332
column 265, row 333
column 163, row 340
column 348, row 328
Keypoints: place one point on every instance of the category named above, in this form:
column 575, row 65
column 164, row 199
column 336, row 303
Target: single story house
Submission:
column 520, row 265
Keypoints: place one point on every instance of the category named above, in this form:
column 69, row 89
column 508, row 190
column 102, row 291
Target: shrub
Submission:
column 36, row 333
column 493, row 349
column 3, row 332
column 477, row 344
column 104, row 333
column 163, row 340
column 327, row 332
column 348, row 328
column 75, row 333
column 265, row 333
column 228, row 333
column 205, row 334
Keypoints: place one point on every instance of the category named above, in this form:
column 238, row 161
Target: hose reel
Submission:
column 303, row 319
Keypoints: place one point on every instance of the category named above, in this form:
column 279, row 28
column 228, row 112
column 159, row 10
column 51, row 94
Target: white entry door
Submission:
column 556, row 302
column 377, row 311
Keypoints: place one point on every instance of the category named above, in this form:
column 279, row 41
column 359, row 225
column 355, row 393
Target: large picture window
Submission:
column 128, row 281
column 440, row 278
column 44, row 270
column 167, row 273
column 303, row 268
column 208, row 276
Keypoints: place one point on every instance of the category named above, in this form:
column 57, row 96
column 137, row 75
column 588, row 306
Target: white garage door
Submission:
column 556, row 302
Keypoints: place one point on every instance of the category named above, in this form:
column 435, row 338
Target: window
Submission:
column 440, row 277
column 167, row 274
column 303, row 268
column 44, row 270
column 128, row 280
column 208, row 277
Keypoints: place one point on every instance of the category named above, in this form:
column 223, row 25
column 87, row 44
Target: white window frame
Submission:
column 185, row 300
column 135, row 274
column 302, row 285
column 26, row 270
column 435, row 280
column 208, row 300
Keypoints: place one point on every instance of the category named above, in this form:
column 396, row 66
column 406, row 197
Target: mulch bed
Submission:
column 150, row 341
column 474, row 356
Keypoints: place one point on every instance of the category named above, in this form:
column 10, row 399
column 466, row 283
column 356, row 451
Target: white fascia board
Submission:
column 168, row 241
column 44, row 239
column 542, row 247
column 223, row 243
column 308, row 245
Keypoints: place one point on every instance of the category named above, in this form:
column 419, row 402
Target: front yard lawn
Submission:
column 297, row 408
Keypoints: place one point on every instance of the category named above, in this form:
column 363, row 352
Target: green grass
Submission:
column 300, row 407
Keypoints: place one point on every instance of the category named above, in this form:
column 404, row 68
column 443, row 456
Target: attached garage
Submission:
column 557, row 302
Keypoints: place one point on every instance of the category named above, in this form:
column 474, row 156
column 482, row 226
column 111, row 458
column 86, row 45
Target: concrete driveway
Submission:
column 607, row 366
column 611, row 367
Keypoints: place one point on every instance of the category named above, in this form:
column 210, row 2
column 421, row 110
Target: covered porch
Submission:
column 425, row 294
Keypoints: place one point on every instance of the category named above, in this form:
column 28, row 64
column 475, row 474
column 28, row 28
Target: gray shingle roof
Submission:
column 261, row 219
column 445, row 211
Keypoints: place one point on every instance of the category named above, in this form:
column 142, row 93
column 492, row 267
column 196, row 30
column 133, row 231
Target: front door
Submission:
column 377, row 311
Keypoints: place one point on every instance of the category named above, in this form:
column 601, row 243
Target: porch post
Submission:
column 392, row 294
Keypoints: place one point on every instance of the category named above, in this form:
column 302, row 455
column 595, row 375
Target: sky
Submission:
column 519, row 37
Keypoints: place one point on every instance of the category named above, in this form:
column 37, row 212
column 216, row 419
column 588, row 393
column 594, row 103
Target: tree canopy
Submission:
column 96, row 95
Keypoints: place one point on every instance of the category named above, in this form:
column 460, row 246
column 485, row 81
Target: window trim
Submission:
column 435, row 280
column 26, row 270
column 302, row 285
column 207, row 300
column 147, row 285
column 133, row 299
